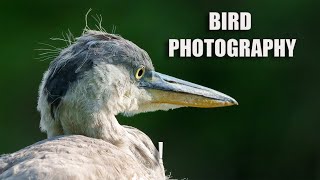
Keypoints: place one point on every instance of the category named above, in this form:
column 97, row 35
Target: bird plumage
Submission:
column 91, row 81
column 77, row 157
column 82, row 91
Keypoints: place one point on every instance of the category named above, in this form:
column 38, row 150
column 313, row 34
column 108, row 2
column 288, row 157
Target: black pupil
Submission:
column 140, row 72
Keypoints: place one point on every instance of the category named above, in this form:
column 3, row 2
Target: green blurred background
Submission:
column 273, row 133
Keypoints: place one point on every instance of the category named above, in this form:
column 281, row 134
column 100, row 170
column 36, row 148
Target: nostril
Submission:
column 173, row 82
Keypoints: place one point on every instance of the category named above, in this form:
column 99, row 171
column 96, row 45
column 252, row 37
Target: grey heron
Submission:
column 91, row 81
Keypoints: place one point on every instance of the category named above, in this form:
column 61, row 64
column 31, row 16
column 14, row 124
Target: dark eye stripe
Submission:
column 62, row 75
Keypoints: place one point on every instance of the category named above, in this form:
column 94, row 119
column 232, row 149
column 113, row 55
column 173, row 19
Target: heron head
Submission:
column 102, row 74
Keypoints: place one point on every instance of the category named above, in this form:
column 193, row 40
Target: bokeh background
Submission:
column 273, row 133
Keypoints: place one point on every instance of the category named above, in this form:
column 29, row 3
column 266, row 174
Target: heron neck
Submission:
column 130, row 139
column 101, row 125
column 105, row 126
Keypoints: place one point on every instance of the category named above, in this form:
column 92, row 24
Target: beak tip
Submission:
column 235, row 102
column 232, row 102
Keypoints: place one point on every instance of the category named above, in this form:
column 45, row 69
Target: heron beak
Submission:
column 169, row 90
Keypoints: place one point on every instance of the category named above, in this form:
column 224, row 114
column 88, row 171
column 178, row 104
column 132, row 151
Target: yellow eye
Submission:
column 140, row 73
